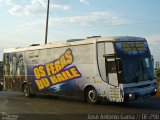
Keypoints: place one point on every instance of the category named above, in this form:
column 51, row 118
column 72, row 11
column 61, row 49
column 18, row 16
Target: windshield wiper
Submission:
column 146, row 71
column 136, row 78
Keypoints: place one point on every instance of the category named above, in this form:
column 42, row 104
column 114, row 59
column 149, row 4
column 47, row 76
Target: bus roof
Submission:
column 72, row 42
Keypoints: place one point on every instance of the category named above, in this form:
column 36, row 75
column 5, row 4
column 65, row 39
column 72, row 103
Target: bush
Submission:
column 158, row 73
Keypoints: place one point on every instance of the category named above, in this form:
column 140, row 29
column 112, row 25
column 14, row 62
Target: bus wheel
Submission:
column 92, row 96
column 26, row 91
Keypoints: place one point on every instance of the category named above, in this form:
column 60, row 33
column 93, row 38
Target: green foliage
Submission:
column 158, row 73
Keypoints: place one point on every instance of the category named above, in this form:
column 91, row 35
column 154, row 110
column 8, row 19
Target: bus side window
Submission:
column 111, row 67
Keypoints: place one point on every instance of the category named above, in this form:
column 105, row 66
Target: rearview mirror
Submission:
column 109, row 55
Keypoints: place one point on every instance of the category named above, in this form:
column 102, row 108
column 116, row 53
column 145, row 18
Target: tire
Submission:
column 91, row 96
column 1, row 87
column 26, row 90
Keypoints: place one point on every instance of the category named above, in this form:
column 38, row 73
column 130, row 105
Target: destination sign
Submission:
column 133, row 46
column 132, row 49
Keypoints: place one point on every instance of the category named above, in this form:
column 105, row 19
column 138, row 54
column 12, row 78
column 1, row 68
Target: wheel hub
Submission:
column 92, row 95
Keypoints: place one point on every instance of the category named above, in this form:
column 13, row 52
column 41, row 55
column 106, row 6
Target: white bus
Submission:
column 116, row 69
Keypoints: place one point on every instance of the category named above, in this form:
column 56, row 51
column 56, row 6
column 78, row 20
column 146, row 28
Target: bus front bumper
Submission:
column 140, row 93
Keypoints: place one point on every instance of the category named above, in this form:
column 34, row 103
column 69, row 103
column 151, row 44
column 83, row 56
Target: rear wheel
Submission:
column 26, row 90
column 91, row 96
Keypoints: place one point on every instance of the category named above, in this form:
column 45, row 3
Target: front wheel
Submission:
column 26, row 90
column 92, row 96
column 1, row 86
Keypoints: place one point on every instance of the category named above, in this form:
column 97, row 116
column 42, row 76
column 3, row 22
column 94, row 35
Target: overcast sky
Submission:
column 22, row 22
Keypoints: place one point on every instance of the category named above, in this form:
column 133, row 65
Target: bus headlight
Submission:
column 155, row 90
column 131, row 96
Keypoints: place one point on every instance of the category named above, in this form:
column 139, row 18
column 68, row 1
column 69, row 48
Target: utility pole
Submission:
column 46, row 34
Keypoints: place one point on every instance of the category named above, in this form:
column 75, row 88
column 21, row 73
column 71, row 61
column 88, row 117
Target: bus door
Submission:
column 112, row 72
column 111, row 69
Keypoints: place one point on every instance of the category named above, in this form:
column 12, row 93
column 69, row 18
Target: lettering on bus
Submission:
column 133, row 47
column 57, row 71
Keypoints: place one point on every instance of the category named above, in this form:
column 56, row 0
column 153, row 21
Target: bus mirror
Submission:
column 118, row 65
column 109, row 55
column 119, row 72
column 118, row 59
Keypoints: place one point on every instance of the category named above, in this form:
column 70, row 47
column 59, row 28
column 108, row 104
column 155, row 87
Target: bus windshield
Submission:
column 136, row 62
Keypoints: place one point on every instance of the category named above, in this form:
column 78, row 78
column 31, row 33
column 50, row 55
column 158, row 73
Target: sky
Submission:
column 22, row 22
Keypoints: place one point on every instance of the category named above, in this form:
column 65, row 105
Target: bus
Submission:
column 116, row 69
